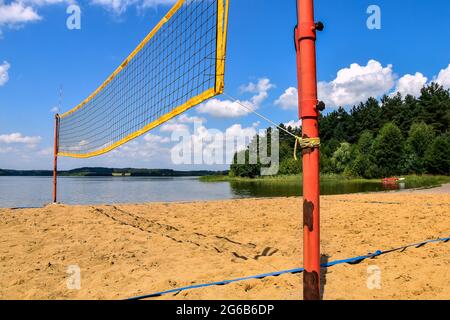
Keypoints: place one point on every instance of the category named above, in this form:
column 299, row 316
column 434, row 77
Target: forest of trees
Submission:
column 394, row 136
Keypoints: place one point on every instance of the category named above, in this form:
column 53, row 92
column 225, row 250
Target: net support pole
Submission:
column 55, row 160
column 305, row 41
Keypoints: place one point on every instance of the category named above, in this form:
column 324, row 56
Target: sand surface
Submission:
column 129, row 250
column 444, row 189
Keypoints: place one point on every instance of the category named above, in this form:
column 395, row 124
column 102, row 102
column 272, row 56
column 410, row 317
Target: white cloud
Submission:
column 224, row 108
column 351, row 86
column 4, row 76
column 140, row 150
column 357, row 83
column 54, row 110
column 233, row 109
column 154, row 3
column 117, row 6
column 261, row 89
column 181, row 123
column 173, row 126
column 256, row 124
column 293, row 124
column 212, row 147
column 120, row 6
column 21, row 152
column 150, row 145
column 410, row 84
column 19, row 138
column 289, row 99
column 7, row 149
column 17, row 13
column 152, row 138
column 46, row 151
column 443, row 77
column 46, row 2
column 236, row 130
column 184, row 118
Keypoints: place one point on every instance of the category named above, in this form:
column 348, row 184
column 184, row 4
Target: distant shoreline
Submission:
column 111, row 172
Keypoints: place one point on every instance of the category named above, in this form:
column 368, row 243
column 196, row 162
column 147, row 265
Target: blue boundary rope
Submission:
column 354, row 260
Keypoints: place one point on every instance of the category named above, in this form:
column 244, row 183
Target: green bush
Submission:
column 342, row 158
column 437, row 156
column 387, row 152
column 419, row 139
column 290, row 166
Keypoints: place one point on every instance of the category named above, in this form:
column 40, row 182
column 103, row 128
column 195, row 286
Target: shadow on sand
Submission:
column 324, row 258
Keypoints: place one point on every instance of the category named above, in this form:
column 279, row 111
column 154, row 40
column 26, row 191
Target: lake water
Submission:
column 37, row 191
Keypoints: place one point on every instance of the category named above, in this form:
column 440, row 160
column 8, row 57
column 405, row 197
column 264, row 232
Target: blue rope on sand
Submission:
column 354, row 260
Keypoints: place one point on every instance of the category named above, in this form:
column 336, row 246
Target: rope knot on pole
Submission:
column 305, row 143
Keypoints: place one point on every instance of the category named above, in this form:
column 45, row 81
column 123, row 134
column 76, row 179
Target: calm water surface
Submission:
column 36, row 191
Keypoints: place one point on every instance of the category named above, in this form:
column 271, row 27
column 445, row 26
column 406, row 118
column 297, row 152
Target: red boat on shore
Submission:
column 391, row 180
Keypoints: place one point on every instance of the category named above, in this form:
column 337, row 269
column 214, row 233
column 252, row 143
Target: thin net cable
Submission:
column 260, row 115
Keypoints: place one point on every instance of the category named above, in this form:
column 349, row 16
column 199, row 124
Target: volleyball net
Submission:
column 178, row 65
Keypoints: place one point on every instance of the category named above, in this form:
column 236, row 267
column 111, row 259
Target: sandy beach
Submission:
column 129, row 250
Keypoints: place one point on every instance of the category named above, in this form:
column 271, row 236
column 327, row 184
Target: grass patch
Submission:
column 416, row 181
column 413, row 181
column 283, row 179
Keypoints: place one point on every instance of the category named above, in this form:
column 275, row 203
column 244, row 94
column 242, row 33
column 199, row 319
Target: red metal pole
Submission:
column 55, row 159
column 309, row 113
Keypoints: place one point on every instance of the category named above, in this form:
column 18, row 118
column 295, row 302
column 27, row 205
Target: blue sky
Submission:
column 38, row 54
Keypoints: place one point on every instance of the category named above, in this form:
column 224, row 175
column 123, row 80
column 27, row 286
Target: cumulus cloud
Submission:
column 7, row 149
column 410, row 84
column 173, row 126
column 260, row 89
column 224, row 108
column 39, row 3
column 142, row 150
column 117, row 6
column 357, row 83
column 19, row 138
column 120, row 6
column 20, row 151
column 4, row 76
column 54, row 110
column 443, row 77
column 233, row 109
column 46, row 151
column 293, row 124
column 154, row 3
column 181, row 123
column 17, row 13
column 152, row 138
column 20, row 12
column 237, row 132
column 210, row 146
column 184, row 118
column 14, row 15
column 289, row 99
